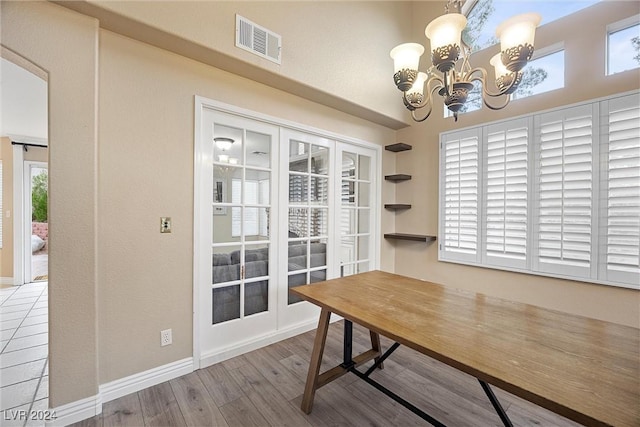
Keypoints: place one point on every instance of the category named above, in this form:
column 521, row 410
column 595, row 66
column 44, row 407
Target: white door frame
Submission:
column 18, row 215
column 27, row 210
column 201, row 159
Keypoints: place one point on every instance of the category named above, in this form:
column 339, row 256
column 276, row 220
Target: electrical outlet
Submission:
column 165, row 337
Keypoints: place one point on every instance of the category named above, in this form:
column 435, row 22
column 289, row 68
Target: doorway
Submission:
column 24, row 320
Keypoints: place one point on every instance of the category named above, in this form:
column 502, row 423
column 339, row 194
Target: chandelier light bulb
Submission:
column 519, row 30
column 406, row 56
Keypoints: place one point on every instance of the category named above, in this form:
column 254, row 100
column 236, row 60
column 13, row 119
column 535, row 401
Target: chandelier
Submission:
column 451, row 75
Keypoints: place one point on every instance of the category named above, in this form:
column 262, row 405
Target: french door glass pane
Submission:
column 363, row 220
column 258, row 150
column 364, row 168
column 233, row 154
column 298, row 188
column 256, row 261
column 296, row 280
column 298, row 156
column 319, row 222
column 298, row 222
column 319, row 160
column 256, row 297
column 226, row 304
column 319, row 191
column 226, row 264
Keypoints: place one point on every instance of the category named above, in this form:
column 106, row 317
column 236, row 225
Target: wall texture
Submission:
column 65, row 44
column 584, row 35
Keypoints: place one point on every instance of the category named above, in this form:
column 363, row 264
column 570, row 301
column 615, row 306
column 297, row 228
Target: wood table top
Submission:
column 584, row 369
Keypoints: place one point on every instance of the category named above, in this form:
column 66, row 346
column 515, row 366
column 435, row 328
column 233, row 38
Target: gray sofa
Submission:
column 226, row 268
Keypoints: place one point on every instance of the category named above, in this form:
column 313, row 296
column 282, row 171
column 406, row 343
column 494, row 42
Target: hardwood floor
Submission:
column 264, row 388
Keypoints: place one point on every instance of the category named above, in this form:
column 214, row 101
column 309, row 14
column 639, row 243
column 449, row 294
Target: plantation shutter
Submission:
column 460, row 195
column 564, row 224
column 505, row 224
column 620, row 244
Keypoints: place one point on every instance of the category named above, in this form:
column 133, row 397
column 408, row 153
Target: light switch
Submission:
column 165, row 224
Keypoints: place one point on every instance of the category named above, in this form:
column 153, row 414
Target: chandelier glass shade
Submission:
column 451, row 75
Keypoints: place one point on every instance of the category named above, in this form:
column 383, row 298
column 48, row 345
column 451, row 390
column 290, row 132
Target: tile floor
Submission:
column 24, row 376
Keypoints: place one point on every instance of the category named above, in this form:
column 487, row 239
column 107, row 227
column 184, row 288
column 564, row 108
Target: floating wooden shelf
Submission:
column 396, row 206
column 400, row 146
column 412, row 237
column 398, row 177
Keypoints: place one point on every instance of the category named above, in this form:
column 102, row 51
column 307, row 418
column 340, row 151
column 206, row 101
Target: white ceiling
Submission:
column 23, row 104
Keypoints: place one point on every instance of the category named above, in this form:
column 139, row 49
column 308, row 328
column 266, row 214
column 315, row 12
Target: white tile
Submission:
column 25, row 331
column 26, row 342
column 21, row 356
column 41, row 405
column 43, row 389
column 18, row 394
column 35, row 320
column 39, row 305
column 38, row 312
column 20, row 300
column 14, row 417
column 27, row 294
column 13, row 315
column 9, row 324
column 19, row 373
column 14, row 308
column 7, row 334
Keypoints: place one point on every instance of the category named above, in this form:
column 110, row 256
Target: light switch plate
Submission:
column 165, row 224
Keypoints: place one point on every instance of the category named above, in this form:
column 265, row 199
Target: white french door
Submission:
column 237, row 294
column 307, row 169
column 274, row 208
column 358, row 218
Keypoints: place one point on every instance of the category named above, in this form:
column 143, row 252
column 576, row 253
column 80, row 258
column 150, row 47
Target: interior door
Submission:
column 237, row 294
column 306, row 225
column 357, row 213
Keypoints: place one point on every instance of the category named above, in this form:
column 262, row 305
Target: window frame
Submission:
column 600, row 136
column 615, row 27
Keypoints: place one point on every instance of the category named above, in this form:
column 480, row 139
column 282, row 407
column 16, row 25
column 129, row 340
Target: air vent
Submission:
column 258, row 40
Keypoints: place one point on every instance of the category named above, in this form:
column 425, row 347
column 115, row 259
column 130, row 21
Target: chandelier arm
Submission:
column 483, row 79
column 507, row 98
column 413, row 112
column 428, row 99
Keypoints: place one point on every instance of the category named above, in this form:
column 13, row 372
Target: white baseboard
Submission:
column 92, row 406
column 133, row 383
column 219, row 355
column 6, row 280
column 75, row 411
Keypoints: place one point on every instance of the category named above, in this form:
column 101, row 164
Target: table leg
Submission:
column 316, row 361
column 375, row 345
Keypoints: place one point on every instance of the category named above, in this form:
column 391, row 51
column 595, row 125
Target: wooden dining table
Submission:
column 584, row 369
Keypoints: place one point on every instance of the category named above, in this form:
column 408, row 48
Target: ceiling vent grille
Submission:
column 258, row 40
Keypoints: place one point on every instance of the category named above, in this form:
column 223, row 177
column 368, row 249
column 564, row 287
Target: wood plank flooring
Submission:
column 264, row 388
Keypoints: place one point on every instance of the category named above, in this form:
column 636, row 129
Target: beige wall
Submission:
column 65, row 45
column 146, row 171
column 6, row 252
column 584, row 40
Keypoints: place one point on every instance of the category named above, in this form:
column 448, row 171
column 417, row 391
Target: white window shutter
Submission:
column 505, row 225
column 564, row 189
column 460, row 195
column 620, row 242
